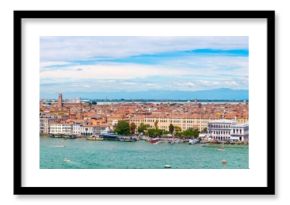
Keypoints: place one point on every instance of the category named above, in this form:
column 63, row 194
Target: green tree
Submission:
column 177, row 134
column 142, row 127
column 177, row 129
column 151, row 133
column 122, row 128
column 155, row 132
column 159, row 132
column 195, row 133
column 204, row 130
column 171, row 128
column 156, row 124
column 190, row 132
column 133, row 128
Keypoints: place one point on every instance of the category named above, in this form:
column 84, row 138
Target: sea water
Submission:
column 58, row 153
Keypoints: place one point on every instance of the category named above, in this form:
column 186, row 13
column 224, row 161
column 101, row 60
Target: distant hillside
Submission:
column 216, row 94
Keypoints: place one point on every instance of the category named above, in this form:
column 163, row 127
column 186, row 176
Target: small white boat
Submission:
column 66, row 160
column 193, row 141
column 167, row 166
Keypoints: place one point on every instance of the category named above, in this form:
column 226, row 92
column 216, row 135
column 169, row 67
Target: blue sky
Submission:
column 136, row 64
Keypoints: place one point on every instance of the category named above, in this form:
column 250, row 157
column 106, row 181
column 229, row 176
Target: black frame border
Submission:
column 268, row 190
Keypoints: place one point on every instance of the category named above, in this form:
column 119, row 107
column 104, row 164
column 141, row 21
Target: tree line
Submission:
column 125, row 128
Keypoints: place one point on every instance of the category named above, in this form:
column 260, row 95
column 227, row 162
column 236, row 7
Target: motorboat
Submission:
column 193, row 141
column 154, row 140
column 127, row 139
column 94, row 138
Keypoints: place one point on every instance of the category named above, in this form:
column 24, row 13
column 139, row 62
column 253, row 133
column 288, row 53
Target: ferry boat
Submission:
column 63, row 136
column 110, row 136
column 69, row 137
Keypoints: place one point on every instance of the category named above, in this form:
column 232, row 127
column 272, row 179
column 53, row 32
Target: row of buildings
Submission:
column 218, row 130
column 228, row 130
column 183, row 122
column 48, row 127
column 223, row 121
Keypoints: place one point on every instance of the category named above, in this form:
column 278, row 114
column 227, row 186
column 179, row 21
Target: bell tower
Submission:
column 59, row 101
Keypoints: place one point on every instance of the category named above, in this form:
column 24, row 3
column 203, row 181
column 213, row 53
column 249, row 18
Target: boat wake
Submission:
column 58, row 146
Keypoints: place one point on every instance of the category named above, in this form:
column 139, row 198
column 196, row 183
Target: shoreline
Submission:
column 150, row 140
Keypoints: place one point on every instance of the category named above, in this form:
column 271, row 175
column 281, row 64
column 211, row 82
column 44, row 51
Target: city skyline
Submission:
column 78, row 66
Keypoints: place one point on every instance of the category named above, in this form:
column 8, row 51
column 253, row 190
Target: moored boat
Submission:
column 154, row 140
column 167, row 166
column 127, row 139
column 110, row 136
column 193, row 141
column 94, row 138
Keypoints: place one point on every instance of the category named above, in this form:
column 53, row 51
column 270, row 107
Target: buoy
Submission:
column 224, row 161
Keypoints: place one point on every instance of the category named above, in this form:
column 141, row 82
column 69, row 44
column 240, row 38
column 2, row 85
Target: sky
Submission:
column 82, row 64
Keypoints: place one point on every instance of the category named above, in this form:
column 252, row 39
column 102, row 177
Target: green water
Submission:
column 83, row 154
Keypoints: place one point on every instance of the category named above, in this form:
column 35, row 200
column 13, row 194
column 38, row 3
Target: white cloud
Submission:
column 57, row 71
column 112, row 72
column 72, row 48
column 45, row 64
